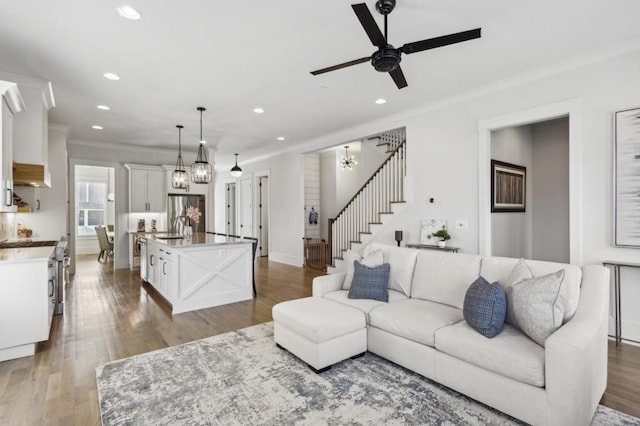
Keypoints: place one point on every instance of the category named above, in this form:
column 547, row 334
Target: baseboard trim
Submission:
column 286, row 259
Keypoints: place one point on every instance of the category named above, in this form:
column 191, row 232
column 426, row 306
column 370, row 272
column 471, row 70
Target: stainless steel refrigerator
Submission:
column 177, row 207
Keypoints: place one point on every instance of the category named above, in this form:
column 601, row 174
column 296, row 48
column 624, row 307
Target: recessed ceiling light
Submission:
column 129, row 13
column 381, row 101
column 97, row 127
column 103, row 107
column 280, row 138
column 111, row 76
column 258, row 110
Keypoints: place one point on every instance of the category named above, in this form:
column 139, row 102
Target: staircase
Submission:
column 365, row 213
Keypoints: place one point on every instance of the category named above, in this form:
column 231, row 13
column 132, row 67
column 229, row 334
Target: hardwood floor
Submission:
column 109, row 315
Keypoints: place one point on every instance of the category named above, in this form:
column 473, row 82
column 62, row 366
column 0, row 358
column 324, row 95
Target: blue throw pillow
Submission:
column 485, row 307
column 370, row 283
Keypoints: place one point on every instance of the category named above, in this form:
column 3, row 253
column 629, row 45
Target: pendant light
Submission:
column 348, row 161
column 201, row 171
column 179, row 177
column 235, row 170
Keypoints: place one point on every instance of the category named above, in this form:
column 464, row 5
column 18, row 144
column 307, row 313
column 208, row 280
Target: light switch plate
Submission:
column 461, row 224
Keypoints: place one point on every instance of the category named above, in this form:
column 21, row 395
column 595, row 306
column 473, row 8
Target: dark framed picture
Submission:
column 508, row 187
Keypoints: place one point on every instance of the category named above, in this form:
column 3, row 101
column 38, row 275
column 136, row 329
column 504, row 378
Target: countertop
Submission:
column 26, row 254
column 26, row 242
column 198, row 239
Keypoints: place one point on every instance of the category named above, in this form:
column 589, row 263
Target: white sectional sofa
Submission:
column 422, row 328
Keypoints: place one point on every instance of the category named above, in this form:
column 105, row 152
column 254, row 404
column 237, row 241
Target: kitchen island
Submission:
column 199, row 272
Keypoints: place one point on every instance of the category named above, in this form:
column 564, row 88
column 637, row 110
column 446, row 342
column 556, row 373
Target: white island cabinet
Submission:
column 201, row 271
column 26, row 300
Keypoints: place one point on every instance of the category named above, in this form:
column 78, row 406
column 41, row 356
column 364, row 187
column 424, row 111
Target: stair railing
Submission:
column 384, row 187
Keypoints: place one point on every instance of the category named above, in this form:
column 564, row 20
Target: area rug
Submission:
column 243, row 378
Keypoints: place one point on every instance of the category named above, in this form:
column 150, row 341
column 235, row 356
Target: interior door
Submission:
column 246, row 207
column 263, row 215
column 230, row 200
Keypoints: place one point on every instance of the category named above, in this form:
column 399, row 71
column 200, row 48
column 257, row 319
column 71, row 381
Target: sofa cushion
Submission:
column 371, row 260
column 318, row 319
column 499, row 268
column 414, row 319
column 364, row 305
column 402, row 261
column 510, row 354
column 536, row 306
column 485, row 306
column 444, row 277
column 369, row 283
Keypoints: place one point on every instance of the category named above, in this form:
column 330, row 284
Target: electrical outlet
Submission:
column 461, row 224
column 223, row 253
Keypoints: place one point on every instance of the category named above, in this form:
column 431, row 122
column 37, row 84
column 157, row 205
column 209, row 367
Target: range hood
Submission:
column 31, row 175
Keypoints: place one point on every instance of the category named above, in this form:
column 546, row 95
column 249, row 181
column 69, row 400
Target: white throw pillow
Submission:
column 536, row 305
column 370, row 260
column 519, row 273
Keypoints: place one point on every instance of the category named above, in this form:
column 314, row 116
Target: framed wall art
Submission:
column 627, row 178
column 508, row 187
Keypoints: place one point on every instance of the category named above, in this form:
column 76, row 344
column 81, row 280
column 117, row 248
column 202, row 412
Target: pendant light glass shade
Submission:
column 179, row 177
column 201, row 170
column 235, row 170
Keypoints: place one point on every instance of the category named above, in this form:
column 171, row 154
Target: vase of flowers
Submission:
column 193, row 216
column 442, row 235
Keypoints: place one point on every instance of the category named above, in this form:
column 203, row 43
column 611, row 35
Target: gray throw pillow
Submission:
column 519, row 273
column 370, row 283
column 485, row 306
column 536, row 305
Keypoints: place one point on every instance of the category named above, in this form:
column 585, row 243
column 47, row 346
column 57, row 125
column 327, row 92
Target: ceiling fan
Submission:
column 387, row 58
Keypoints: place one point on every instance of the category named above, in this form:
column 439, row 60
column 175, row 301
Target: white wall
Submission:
column 550, row 206
column 442, row 154
column 511, row 232
column 328, row 207
column 312, row 193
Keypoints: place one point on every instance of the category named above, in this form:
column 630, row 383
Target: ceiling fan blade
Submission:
column 339, row 66
column 398, row 77
column 432, row 43
column 369, row 24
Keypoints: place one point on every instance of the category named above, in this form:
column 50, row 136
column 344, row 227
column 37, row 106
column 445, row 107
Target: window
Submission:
column 91, row 198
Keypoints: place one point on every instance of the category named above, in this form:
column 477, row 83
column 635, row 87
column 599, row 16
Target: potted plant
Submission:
column 442, row 235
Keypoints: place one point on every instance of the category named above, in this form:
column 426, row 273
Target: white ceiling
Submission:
column 232, row 56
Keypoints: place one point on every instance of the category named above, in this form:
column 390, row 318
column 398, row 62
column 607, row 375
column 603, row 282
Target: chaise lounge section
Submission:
column 422, row 328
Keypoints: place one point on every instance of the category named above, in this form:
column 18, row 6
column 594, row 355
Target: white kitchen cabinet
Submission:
column 10, row 102
column 166, row 272
column 31, row 133
column 26, row 306
column 146, row 188
column 192, row 188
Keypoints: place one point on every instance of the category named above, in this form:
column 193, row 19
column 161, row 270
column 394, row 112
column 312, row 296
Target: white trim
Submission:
column 126, row 147
column 286, row 259
column 571, row 108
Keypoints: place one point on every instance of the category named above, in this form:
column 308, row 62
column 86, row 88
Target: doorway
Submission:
column 245, row 212
column 263, row 215
column 230, row 200
column 570, row 109
column 93, row 203
column 541, row 231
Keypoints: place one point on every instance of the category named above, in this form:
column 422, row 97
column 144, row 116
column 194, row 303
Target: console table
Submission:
column 432, row 247
column 616, row 294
